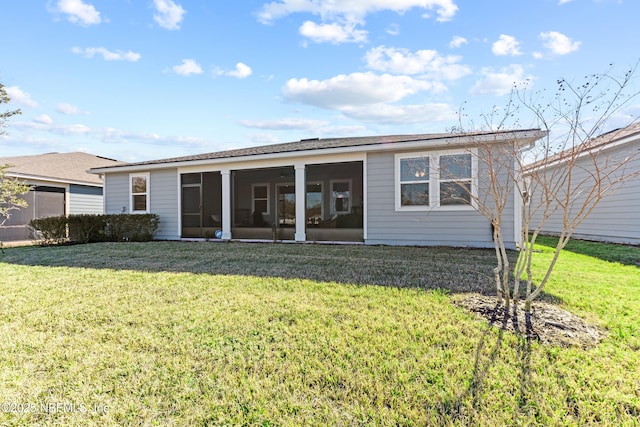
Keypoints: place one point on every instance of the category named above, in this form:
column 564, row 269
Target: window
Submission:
column 414, row 181
column 260, row 198
column 139, row 188
column 435, row 180
column 314, row 203
column 455, row 179
column 286, row 204
column 341, row 196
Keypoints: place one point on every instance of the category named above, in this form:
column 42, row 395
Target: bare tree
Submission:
column 560, row 179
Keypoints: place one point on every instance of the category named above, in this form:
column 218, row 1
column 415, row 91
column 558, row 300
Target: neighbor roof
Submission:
column 623, row 135
column 61, row 167
column 308, row 145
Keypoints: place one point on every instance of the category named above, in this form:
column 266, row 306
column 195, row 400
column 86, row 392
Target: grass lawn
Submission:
column 169, row 333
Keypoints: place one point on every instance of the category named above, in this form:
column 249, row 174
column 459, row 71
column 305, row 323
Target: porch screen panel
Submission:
column 191, row 206
column 287, row 205
column 49, row 201
column 314, row 203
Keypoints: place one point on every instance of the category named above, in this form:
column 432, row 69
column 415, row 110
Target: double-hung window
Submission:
column 139, row 190
column 455, row 179
column 414, row 181
column 435, row 180
column 340, row 196
column 260, row 198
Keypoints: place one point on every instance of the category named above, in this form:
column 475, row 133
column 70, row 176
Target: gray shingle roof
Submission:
column 318, row 144
column 593, row 145
column 63, row 167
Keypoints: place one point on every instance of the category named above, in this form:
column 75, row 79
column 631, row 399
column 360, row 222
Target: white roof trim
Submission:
column 52, row 179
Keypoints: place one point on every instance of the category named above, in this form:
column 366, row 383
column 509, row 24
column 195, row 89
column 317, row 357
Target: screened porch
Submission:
column 264, row 203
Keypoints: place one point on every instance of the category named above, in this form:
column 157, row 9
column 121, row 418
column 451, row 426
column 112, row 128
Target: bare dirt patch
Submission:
column 548, row 323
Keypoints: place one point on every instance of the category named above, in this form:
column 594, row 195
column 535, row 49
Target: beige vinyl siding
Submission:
column 85, row 200
column 429, row 228
column 164, row 199
column 616, row 218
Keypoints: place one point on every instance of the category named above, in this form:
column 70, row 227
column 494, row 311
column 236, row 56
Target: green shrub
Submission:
column 50, row 230
column 96, row 228
column 87, row 228
column 131, row 227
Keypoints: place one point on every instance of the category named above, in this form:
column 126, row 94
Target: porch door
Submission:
column 191, row 206
column 286, row 205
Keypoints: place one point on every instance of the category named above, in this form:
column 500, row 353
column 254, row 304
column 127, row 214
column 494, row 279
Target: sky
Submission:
column 136, row 80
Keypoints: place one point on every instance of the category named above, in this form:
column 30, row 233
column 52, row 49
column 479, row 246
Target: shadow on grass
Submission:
column 457, row 270
column 486, row 358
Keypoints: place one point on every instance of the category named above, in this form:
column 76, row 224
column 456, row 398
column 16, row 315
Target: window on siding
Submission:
column 139, row 187
column 260, row 197
column 455, row 179
column 435, row 180
column 414, row 181
column 341, row 196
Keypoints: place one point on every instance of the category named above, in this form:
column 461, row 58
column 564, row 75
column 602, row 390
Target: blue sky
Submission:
column 147, row 79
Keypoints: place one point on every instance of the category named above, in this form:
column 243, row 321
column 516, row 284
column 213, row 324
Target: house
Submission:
column 60, row 184
column 616, row 218
column 373, row 190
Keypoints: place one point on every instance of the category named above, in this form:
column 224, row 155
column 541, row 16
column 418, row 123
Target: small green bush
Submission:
column 50, row 230
column 87, row 228
column 96, row 228
column 131, row 227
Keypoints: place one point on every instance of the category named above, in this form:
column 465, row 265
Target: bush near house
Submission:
column 96, row 228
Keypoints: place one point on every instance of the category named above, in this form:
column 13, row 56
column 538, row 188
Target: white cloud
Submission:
column 107, row 55
column 285, row 124
column 353, row 9
column 558, row 43
column 242, row 71
column 315, row 127
column 564, row 1
column 425, row 62
column 21, row 97
column 78, row 12
column 457, row 41
column 500, row 82
column 169, row 15
column 393, row 30
column 43, row 119
column 68, row 109
column 333, row 33
column 354, row 89
column 401, row 114
column 110, row 135
column 506, row 45
column 188, row 67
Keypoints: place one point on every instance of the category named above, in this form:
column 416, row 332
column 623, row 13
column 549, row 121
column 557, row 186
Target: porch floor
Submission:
column 313, row 234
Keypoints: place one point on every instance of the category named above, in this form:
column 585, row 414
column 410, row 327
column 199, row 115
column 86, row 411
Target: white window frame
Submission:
column 442, row 180
column 147, row 193
column 332, row 208
column 435, row 180
column 268, row 199
column 399, row 182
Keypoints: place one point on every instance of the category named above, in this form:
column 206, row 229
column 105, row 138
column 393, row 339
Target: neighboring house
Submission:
column 60, row 184
column 616, row 218
column 376, row 190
